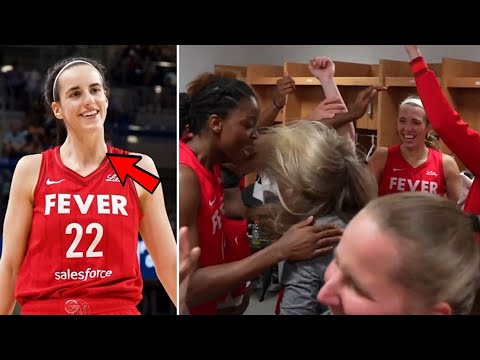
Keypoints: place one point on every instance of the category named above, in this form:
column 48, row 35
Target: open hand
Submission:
column 327, row 109
column 188, row 261
column 305, row 241
column 285, row 86
column 359, row 107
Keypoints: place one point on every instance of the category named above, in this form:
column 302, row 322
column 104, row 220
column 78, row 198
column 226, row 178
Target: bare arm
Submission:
column 377, row 162
column 16, row 228
column 300, row 241
column 465, row 185
column 211, row 282
column 188, row 261
column 207, row 283
column 157, row 232
column 285, row 86
column 323, row 69
column 452, row 177
column 356, row 110
column 233, row 205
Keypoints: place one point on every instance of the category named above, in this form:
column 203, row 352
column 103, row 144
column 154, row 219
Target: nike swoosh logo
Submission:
column 210, row 203
column 52, row 182
column 395, row 169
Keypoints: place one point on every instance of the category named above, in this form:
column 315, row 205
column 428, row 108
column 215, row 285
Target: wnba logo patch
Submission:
column 112, row 178
column 76, row 307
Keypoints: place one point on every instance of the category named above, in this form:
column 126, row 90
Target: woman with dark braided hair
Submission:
column 222, row 113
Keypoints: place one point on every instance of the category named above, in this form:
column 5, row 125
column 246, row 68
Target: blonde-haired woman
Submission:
column 314, row 172
column 416, row 164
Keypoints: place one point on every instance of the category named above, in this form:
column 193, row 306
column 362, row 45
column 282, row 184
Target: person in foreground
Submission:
column 406, row 253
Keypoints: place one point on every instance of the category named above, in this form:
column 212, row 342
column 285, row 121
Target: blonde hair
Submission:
column 317, row 171
column 440, row 258
column 430, row 140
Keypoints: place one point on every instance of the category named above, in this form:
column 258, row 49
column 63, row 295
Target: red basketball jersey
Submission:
column 237, row 245
column 82, row 251
column 399, row 176
column 209, row 220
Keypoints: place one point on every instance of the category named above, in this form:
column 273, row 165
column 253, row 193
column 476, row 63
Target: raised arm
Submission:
column 324, row 70
column 463, row 141
column 16, row 228
column 285, row 86
column 157, row 233
column 356, row 110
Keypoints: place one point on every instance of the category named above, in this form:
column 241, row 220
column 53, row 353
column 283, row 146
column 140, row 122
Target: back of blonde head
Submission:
column 317, row 171
column 440, row 258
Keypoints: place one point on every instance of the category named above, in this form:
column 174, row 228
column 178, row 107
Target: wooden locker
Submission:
column 239, row 72
column 398, row 77
column 263, row 78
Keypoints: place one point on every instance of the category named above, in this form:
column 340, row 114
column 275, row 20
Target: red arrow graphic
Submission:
column 124, row 165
